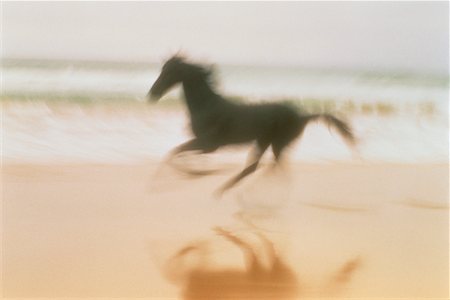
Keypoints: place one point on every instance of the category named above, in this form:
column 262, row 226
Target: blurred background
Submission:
column 88, row 213
column 74, row 75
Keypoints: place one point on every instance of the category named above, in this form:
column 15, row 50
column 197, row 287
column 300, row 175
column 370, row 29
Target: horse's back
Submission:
column 263, row 121
column 232, row 123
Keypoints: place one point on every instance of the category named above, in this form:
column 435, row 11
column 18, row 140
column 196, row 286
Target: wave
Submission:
column 307, row 105
column 98, row 111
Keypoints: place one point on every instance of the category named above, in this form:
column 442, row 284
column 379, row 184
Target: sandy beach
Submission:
column 345, row 230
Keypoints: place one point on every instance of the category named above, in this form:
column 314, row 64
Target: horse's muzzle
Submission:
column 153, row 97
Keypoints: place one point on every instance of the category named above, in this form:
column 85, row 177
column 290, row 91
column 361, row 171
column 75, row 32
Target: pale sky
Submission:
column 404, row 36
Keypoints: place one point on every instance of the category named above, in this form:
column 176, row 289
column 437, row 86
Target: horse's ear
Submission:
column 180, row 54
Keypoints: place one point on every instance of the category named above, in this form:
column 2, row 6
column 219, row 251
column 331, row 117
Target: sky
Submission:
column 392, row 36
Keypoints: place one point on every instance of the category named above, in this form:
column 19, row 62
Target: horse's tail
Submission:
column 342, row 127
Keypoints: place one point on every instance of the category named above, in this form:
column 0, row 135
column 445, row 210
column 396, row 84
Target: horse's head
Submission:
column 172, row 73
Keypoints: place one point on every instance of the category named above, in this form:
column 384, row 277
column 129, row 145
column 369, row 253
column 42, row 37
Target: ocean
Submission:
column 57, row 111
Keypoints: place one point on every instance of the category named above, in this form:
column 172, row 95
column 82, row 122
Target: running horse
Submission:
column 217, row 121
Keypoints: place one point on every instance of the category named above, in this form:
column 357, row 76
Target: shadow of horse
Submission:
column 259, row 278
column 256, row 280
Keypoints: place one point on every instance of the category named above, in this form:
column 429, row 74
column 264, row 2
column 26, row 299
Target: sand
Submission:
column 345, row 230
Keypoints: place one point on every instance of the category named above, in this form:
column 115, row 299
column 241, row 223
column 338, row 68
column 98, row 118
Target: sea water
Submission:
column 54, row 111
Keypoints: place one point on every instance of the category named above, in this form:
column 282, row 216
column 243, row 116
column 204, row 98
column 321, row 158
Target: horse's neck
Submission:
column 198, row 95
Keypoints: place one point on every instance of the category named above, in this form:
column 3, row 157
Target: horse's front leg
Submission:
column 190, row 145
column 203, row 145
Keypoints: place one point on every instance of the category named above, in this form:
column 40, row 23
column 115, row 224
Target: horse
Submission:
column 217, row 121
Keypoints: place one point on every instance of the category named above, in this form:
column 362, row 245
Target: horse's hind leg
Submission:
column 284, row 139
column 252, row 165
column 277, row 149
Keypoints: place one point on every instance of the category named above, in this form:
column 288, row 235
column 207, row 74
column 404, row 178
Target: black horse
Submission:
column 217, row 121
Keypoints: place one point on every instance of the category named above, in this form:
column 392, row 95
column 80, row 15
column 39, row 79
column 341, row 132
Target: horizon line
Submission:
column 153, row 63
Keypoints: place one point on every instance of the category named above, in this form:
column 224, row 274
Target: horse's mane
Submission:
column 205, row 72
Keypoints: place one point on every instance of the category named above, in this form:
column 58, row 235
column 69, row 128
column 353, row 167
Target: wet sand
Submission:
column 310, row 230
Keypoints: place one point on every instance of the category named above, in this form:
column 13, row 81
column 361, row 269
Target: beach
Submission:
column 90, row 210
column 345, row 230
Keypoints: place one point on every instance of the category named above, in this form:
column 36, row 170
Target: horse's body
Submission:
column 216, row 121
